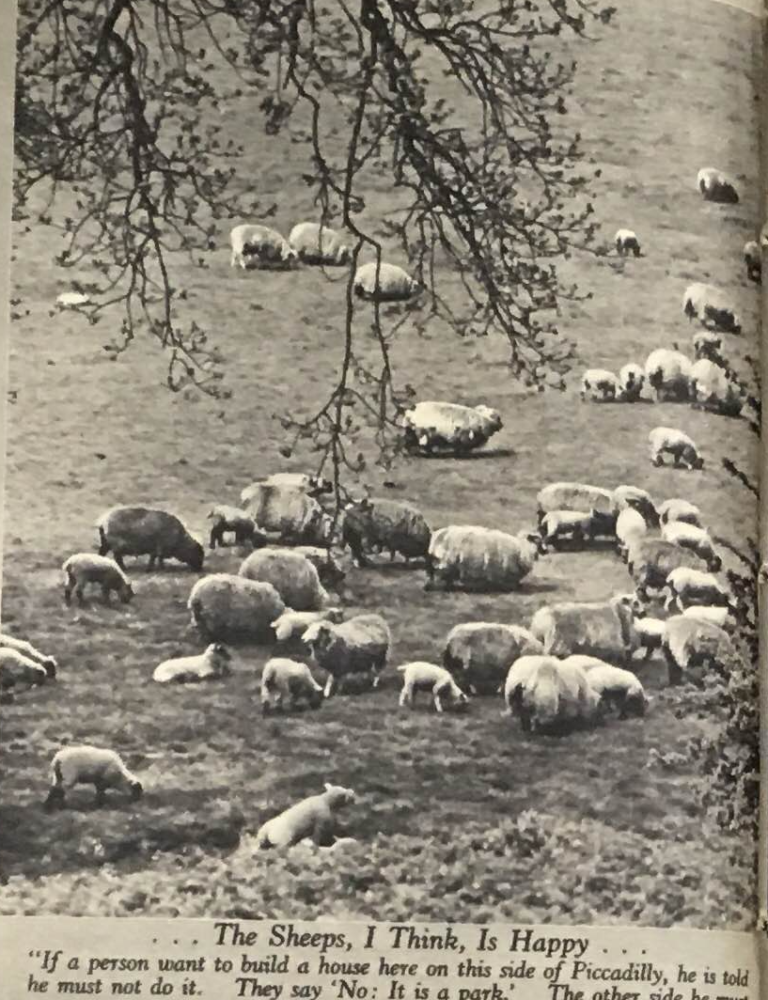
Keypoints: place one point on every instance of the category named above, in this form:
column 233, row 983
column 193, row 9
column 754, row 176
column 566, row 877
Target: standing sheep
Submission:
column 669, row 374
column 224, row 606
column 255, row 246
column 670, row 441
column 287, row 684
column 604, row 629
column 711, row 307
column 677, row 509
column 626, row 240
column 28, row 650
column 313, row 817
column 716, row 186
column 618, row 688
column 87, row 568
column 234, row 521
column 651, row 560
column 16, row 668
column 478, row 654
column 292, row 575
column 88, row 765
column 473, row 558
column 358, row 646
column 380, row 282
column 600, row 385
column 631, row 382
column 713, row 389
column 630, row 526
column 707, row 345
column 318, row 244
column 212, row 664
column 691, row 643
column 698, row 540
column 385, row 524
column 138, row 531
column 548, row 695
column 291, row 514
column 687, row 586
column 421, row 676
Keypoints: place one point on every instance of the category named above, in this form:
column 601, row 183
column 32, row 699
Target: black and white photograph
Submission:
column 380, row 524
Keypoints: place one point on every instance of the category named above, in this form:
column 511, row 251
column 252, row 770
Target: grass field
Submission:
column 461, row 817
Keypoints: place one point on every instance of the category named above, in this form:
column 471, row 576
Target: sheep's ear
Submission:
column 327, row 786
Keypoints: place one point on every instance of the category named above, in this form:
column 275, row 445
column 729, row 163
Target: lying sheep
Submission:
column 677, row 509
column 380, row 282
column 87, row 568
column 224, row 607
column 293, row 624
column 209, row 665
column 626, row 240
column 711, row 307
column 292, row 575
column 713, row 389
column 631, row 382
column 691, row 643
column 547, row 694
column 289, row 513
column 255, row 246
column 473, row 558
column 651, row 560
column 618, row 688
column 753, row 260
column 670, row 441
column 318, row 244
column 391, row 525
column 478, row 654
column 692, row 537
column 358, row 646
column 707, row 345
column 438, row 426
column 16, row 668
column 421, row 676
column 88, row 765
column 28, row 650
column 686, row 586
column 577, row 497
column 313, row 817
column 600, row 385
column 604, row 629
column 565, row 525
column 138, row 531
column 330, row 571
column 668, row 373
column 716, row 186
column 288, row 684
column 232, row 520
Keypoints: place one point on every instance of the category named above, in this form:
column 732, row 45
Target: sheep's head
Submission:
column 318, row 636
column 50, row 667
column 192, row 552
column 126, row 593
column 137, row 790
column 491, row 416
column 319, row 485
column 338, row 795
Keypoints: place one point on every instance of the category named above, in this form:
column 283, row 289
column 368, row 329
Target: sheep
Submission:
column 473, row 558
column 691, row 643
column 631, row 381
column 668, row 373
column 575, row 525
column 358, row 646
column 578, row 497
column 331, row 573
column 640, row 500
column 291, row 514
column 233, row 520
column 212, row 664
column 720, row 615
column 86, row 568
column 713, row 389
column 677, row 509
column 302, row 482
column 421, row 676
column 292, row 575
column 686, row 586
column 626, row 240
column 753, row 259
column 224, row 606
column 71, row 300
column 689, row 536
column 138, row 531
column 478, row 654
column 668, row 440
column 716, row 186
column 28, row 650
column 600, row 385
column 651, row 560
column 547, row 694
column 433, row 426
column 604, row 629
column 293, row 624
column 16, row 668
column 316, row 243
column 380, row 282
column 630, row 525
column 255, row 246
column 618, row 688
column 313, row 817
column 650, row 631
column 385, row 524
column 288, row 683
column 707, row 345
column 711, row 307
column 89, row 765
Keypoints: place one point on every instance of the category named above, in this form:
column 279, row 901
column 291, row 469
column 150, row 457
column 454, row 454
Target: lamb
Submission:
column 574, row 525
column 577, row 497
column 691, row 643
column 547, row 694
column 232, row 520
column 434, row 426
column 668, row 440
column 291, row 514
column 713, row 389
column 28, row 650
column 316, row 243
column 87, row 568
column 380, row 282
column 255, row 246
column 358, row 646
column 292, row 575
column 707, row 345
column 618, row 688
column 421, row 676
column 692, row 537
column 478, row 654
column 224, row 606
column 89, row 765
column 209, row 665
column 604, row 629
column 600, row 385
column 288, row 683
column 686, row 586
column 651, row 560
column 651, row 634
column 626, row 240
column 677, row 509
column 313, row 817
column 753, row 259
column 303, row 482
column 473, row 558
column 631, row 381
column 293, row 624
column 668, row 373
column 711, row 307
column 330, row 571
column 385, row 524
column 138, row 531
column 16, row 668
column 716, row 186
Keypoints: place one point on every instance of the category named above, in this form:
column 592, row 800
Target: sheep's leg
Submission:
column 328, row 689
column 79, row 594
column 151, row 563
column 105, row 594
column 674, row 673
column 100, row 795
column 438, row 701
column 68, row 589
column 217, row 536
column 55, row 798
column 405, row 698
column 648, row 652
column 322, row 833
column 118, row 556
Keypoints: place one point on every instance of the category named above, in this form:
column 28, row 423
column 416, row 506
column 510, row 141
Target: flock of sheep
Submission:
column 573, row 665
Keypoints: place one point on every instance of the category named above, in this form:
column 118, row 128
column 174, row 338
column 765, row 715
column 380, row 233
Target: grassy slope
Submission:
column 87, row 433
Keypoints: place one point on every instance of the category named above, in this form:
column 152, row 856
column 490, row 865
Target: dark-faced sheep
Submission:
column 433, row 426
column 287, row 683
column 388, row 525
column 422, row 676
column 139, row 531
column 356, row 647
column 232, row 520
column 478, row 654
column 549, row 695
column 86, row 569
column 89, row 765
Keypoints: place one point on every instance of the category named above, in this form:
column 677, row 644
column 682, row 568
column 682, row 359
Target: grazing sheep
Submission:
column 691, row 643
column 651, row 560
column 630, row 526
column 28, row 650
column 303, row 482
column 631, row 382
column 86, row 568
column 626, row 240
column 88, row 765
column 604, row 629
column 572, row 525
column 318, row 244
column 291, row 514
column 640, row 500
column 618, row 688
column 435, row 426
column 209, row 665
column 668, row 440
column 651, row 634
column 720, row 615
column 260, row 247
column 600, row 385
column 677, row 509
column 292, row 575
column 713, row 389
column 358, row 646
column 293, row 624
column 330, row 571
column 707, row 345
column 234, row 521
column 421, row 676
column 753, row 260
column 577, row 497
column 547, row 694
column 16, row 668
column 385, row 524
column 478, row 654
column 711, row 307
column 313, row 817
column 714, row 185
column 288, row 684
column 473, row 558
column 71, row 300
column 138, row 531
column 669, row 374
column 380, row 282
column 224, row 606
column 692, row 537
column 686, row 586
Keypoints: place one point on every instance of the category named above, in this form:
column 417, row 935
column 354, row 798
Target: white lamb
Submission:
column 286, row 683
column 630, row 525
column 209, row 665
column 293, row 624
column 89, row 765
column 600, row 385
column 313, row 817
column 686, row 586
column 711, row 307
column 89, row 569
column 422, row 676
column 670, row 441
